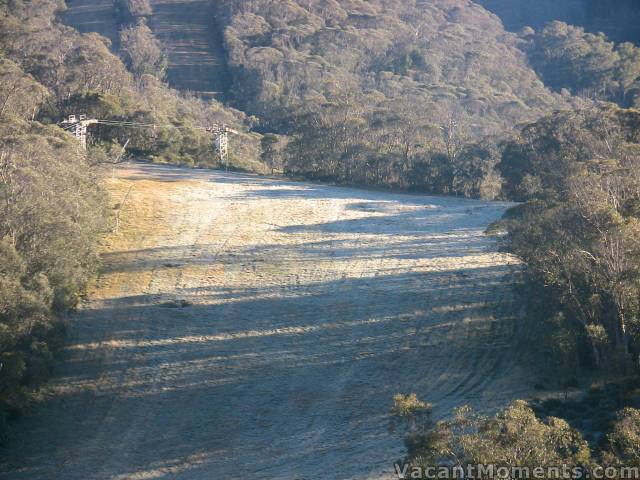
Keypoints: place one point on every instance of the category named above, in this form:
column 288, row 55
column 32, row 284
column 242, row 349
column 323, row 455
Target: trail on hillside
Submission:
column 186, row 29
column 98, row 16
column 246, row 327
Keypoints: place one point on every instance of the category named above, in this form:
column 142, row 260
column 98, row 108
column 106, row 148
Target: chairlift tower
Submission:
column 78, row 126
column 221, row 141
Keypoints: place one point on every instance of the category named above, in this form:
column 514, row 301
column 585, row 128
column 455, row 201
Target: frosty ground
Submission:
column 247, row 327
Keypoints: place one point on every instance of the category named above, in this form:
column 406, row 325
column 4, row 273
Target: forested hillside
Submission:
column 619, row 19
column 435, row 58
column 413, row 95
column 428, row 95
column 381, row 92
column 376, row 93
column 568, row 58
column 84, row 76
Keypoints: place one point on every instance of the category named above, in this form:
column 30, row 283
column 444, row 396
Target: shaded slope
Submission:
column 187, row 30
column 93, row 16
column 306, row 308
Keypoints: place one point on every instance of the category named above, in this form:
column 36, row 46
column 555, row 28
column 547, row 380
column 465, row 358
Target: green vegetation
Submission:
column 383, row 93
column 52, row 207
column 83, row 76
column 516, row 438
column 417, row 61
column 594, row 413
column 51, row 212
column 142, row 53
column 589, row 65
column 578, row 230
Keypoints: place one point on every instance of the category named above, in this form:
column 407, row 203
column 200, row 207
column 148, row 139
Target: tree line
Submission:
column 53, row 208
column 578, row 231
column 513, row 443
column 576, row 175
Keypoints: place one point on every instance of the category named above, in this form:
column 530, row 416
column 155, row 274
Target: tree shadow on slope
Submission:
column 429, row 234
column 264, row 382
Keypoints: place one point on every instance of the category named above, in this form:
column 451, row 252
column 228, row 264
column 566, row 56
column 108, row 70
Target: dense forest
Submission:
column 383, row 93
column 408, row 94
column 578, row 176
column 433, row 96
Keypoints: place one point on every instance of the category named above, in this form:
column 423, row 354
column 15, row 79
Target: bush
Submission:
column 514, row 437
column 624, row 440
column 579, row 230
column 53, row 211
column 142, row 52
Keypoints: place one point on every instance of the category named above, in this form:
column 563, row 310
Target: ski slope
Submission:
column 248, row 327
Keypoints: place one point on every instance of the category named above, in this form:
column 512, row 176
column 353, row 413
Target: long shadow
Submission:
column 176, row 256
column 264, row 385
column 174, row 173
column 428, row 233
column 289, row 189
column 292, row 380
column 266, row 187
column 93, row 16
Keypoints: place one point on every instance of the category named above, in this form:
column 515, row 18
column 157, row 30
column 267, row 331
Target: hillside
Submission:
column 428, row 60
column 97, row 16
column 185, row 28
column 440, row 57
column 619, row 20
column 257, row 328
column 377, row 93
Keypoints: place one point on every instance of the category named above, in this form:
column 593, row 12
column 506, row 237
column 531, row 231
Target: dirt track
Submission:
column 305, row 309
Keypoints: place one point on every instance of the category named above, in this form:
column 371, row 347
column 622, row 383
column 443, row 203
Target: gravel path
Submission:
column 253, row 328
